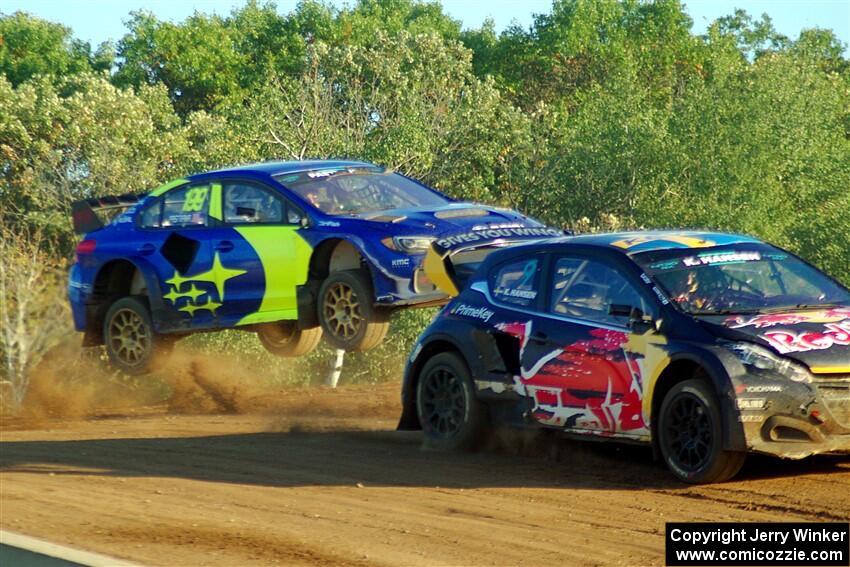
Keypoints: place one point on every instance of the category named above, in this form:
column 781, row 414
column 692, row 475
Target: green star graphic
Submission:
column 218, row 275
column 210, row 306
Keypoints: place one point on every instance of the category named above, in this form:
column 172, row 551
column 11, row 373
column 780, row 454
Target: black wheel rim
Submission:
column 443, row 402
column 689, row 433
column 129, row 337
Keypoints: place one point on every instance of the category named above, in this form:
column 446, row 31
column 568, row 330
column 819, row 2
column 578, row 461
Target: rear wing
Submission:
column 84, row 213
column 451, row 260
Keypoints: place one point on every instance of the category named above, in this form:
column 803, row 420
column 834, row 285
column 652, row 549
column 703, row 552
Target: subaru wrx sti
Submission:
column 291, row 250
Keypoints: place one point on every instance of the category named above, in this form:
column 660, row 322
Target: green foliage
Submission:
column 209, row 62
column 196, row 60
column 31, row 46
column 99, row 139
column 409, row 102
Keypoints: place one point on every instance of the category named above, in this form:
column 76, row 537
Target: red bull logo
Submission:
column 788, row 341
column 592, row 383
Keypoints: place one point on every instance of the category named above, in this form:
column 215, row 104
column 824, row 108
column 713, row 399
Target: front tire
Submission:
column 451, row 415
column 131, row 342
column 347, row 313
column 690, row 435
column 285, row 339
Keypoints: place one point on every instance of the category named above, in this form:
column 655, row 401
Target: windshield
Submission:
column 740, row 279
column 350, row 191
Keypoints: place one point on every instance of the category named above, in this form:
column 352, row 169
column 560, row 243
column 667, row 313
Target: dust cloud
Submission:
column 72, row 383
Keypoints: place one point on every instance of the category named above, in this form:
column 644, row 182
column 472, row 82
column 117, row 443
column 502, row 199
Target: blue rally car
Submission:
column 704, row 345
column 291, row 250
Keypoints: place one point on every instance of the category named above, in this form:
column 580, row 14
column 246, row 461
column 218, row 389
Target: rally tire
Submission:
column 347, row 313
column 286, row 339
column 690, row 435
column 451, row 415
column 132, row 344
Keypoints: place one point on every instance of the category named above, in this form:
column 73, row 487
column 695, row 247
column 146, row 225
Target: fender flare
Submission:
column 360, row 247
column 160, row 314
column 409, row 420
column 732, row 429
column 97, row 306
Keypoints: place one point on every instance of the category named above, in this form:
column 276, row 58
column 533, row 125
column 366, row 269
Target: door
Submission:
column 173, row 238
column 582, row 363
column 258, row 236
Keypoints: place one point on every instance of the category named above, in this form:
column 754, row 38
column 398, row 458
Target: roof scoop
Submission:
column 383, row 217
column 461, row 213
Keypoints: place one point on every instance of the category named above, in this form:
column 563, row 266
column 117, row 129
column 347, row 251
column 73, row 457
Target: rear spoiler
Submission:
column 84, row 212
column 452, row 259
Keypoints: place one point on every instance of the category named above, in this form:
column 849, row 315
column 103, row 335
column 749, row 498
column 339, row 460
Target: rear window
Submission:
column 516, row 282
column 186, row 206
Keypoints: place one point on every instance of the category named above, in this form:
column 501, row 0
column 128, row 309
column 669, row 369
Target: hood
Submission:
column 450, row 218
column 820, row 339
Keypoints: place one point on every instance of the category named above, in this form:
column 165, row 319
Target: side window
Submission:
column 151, row 214
column 186, row 206
column 293, row 215
column 517, row 282
column 590, row 290
column 564, row 273
column 246, row 203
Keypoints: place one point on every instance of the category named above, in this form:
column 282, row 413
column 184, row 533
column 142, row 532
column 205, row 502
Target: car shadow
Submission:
column 374, row 458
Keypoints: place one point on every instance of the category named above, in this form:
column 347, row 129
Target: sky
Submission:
column 96, row 21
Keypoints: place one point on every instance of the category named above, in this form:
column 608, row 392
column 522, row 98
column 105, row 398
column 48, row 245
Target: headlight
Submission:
column 408, row 244
column 760, row 358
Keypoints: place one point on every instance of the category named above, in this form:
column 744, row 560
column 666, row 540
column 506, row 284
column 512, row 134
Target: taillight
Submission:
column 85, row 247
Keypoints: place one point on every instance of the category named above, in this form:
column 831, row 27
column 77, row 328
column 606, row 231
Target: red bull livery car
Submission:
column 705, row 345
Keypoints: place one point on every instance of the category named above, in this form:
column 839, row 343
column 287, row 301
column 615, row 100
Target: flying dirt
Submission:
column 221, row 471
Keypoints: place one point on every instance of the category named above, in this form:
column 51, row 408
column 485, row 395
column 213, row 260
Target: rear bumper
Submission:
column 78, row 295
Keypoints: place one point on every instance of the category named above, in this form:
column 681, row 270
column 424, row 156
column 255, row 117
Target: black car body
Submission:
column 611, row 336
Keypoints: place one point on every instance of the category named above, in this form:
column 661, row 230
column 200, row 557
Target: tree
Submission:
column 409, row 102
column 195, row 60
column 30, row 46
column 97, row 140
column 31, row 305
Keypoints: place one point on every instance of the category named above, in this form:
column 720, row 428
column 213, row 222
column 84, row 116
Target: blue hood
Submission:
column 443, row 220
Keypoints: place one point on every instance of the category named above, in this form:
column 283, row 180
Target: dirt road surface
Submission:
column 320, row 477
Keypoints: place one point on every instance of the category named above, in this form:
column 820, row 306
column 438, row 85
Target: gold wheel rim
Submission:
column 342, row 311
column 129, row 337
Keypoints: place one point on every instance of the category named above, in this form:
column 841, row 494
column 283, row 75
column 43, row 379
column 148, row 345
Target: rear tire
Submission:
column 347, row 313
column 285, row 339
column 690, row 435
column 451, row 415
column 131, row 342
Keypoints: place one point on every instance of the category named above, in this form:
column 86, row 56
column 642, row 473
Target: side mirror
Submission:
column 639, row 322
column 304, row 222
column 623, row 310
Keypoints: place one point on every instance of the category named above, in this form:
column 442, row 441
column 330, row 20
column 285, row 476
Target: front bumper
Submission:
column 406, row 286
column 795, row 420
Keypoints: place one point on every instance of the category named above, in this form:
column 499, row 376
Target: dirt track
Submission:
column 321, row 477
